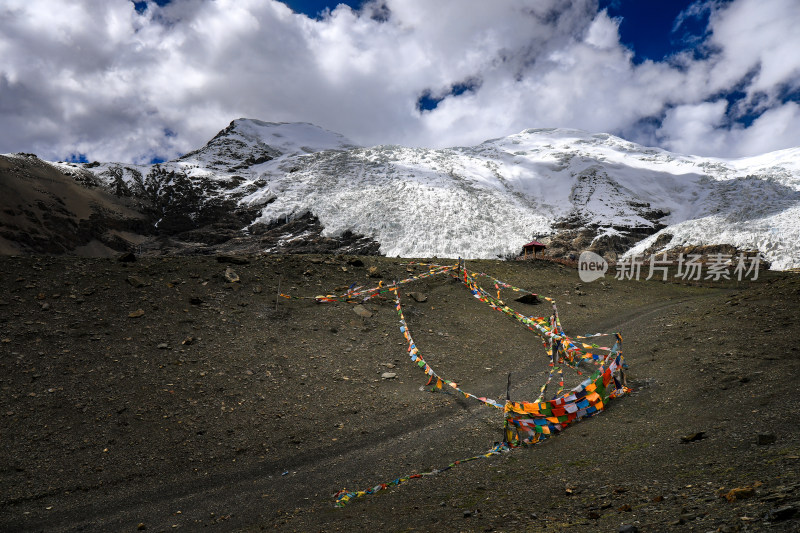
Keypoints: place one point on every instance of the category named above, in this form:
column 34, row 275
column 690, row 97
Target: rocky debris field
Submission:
column 183, row 393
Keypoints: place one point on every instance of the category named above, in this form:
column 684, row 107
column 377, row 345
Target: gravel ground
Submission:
column 158, row 395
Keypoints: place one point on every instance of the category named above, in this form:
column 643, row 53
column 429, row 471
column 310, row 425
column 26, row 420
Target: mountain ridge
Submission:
column 481, row 201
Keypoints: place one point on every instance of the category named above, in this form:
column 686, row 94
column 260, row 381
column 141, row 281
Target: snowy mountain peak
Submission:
column 291, row 137
column 247, row 142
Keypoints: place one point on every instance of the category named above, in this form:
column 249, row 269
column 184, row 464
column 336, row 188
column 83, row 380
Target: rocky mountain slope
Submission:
column 53, row 209
column 255, row 183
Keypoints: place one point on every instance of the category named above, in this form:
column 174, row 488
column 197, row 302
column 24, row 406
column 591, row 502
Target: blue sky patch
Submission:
column 312, row 8
column 77, row 158
column 649, row 28
column 428, row 102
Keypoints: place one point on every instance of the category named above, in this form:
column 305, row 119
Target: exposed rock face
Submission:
column 300, row 235
column 597, row 198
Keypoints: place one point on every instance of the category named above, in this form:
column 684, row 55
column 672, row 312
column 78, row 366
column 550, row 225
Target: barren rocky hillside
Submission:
column 159, row 395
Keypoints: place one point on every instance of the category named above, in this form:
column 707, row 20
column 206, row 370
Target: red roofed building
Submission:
column 532, row 248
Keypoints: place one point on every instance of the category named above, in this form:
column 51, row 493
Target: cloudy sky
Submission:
column 116, row 80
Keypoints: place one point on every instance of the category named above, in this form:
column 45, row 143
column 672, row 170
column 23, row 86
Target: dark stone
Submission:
column 418, row 296
column 693, row 437
column 781, row 513
column 530, row 299
column 134, row 281
column 628, row 528
column 127, row 257
column 233, row 259
column 764, row 439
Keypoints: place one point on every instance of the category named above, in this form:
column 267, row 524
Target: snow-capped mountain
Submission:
column 488, row 200
column 582, row 190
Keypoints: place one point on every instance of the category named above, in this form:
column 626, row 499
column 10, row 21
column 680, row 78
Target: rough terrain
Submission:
column 157, row 395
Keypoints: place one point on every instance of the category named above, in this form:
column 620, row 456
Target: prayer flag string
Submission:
column 524, row 423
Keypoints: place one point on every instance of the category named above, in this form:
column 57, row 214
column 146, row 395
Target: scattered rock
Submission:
column 628, row 528
column 388, row 375
column 467, row 514
column 230, row 275
column 45, row 306
column 257, row 289
column 188, row 340
column 418, row 296
column 141, row 526
column 163, row 346
column 136, row 314
column 196, row 300
column 781, row 513
column 593, row 515
column 362, row 311
column 740, row 493
column 127, row 257
column 233, row 259
column 135, row 281
column 764, row 439
column 374, row 272
column 355, row 261
column 693, row 437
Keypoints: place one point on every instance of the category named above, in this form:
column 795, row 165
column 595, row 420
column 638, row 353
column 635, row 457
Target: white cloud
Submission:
column 688, row 128
column 95, row 77
column 693, row 129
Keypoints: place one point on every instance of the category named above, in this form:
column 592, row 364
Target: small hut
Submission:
column 532, row 248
